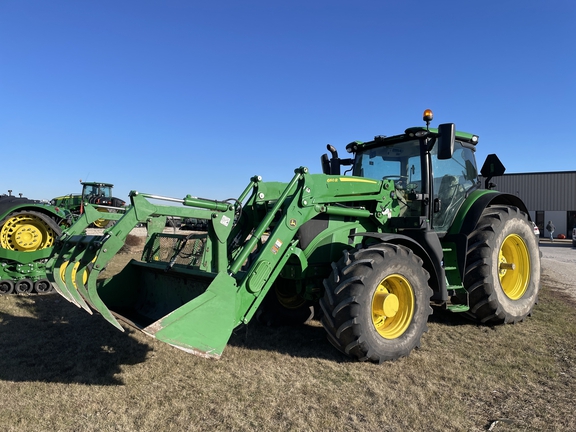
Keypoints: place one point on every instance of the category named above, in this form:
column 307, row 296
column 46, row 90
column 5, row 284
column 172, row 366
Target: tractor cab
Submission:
column 92, row 191
column 433, row 170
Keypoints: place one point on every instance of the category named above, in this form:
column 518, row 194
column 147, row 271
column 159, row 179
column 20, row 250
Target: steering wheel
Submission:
column 399, row 180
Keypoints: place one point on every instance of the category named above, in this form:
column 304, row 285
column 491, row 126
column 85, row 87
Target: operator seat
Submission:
column 450, row 193
column 448, row 189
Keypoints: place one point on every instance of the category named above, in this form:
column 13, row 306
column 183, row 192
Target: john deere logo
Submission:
column 292, row 222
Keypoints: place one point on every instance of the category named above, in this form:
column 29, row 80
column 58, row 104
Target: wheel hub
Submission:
column 390, row 305
column 26, row 238
column 505, row 266
column 393, row 306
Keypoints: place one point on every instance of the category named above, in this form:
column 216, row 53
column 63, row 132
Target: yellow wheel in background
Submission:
column 63, row 270
column 26, row 232
column 102, row 223
column 73, row 274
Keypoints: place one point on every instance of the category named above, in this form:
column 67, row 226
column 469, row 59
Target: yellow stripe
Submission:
column 357, row 180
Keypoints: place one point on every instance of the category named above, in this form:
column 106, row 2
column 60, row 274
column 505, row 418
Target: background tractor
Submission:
column 28, row 230
column 406, row 227
column 99, row 194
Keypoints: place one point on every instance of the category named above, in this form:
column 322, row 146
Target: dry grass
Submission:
column 62, row 369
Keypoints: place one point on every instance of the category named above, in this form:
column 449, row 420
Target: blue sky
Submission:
column 188, row 97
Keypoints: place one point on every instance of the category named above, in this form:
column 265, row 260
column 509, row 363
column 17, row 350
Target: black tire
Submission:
column 283, row 306
column 23, row 286
column 361, row 282
column 502, row 274
column 173, row 223
column 6, row 286
column 43, row 286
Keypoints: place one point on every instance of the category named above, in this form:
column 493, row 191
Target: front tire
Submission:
column 376, row 303
column 502, row 267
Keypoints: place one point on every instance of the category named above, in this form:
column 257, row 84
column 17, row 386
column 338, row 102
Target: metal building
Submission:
column 549, row 196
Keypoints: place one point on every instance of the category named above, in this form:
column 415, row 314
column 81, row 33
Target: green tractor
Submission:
column 406, row 227
column 28, row 230
column 97, row 193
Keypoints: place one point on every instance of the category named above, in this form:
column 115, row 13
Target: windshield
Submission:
column 399, row 162
column 97, row 190
column 106, row 191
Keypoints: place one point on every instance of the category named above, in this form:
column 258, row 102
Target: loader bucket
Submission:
column 191, row 312
column 189, row 309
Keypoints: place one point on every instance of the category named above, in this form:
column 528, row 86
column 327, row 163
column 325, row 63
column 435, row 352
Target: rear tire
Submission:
column 502, row 274
column 376, row 303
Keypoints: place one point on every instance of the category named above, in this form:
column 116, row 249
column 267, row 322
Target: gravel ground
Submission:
column 559, row 266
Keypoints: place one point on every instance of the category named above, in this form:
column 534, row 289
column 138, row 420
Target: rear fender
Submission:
column 469, row 215
column 470, row 212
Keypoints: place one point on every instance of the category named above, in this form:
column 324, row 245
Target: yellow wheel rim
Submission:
column 63, row 270
column 514, row 266
column 74, row 272
column 101, row 223
column 393, row 306
column 26, row 233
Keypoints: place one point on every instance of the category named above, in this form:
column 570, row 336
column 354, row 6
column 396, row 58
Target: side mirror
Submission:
column 492, row 168
column 445, row 143
column 325, row 161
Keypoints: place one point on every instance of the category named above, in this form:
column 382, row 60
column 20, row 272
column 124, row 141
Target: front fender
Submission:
column 427, row 246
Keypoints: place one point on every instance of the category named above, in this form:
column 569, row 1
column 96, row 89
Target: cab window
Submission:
column 453, row 178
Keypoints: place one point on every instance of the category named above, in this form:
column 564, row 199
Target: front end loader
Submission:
column 370, row 252
column 192, row 290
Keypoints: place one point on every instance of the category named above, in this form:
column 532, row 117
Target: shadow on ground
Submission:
column 61, row 343
column 304, row 341
column 310, row 341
